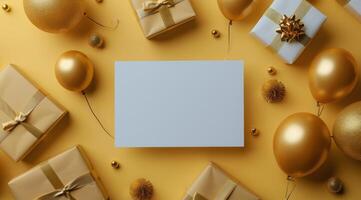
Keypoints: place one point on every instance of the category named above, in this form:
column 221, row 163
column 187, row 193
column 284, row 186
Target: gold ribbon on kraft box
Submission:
column 69, row 175
column 21, row 117
column 26, row 114
column 214, row 184
column 158, row 16
column 63, row 190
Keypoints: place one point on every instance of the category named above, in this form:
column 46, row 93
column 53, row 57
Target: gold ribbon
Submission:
column 21, row 117
column 224, row 193
column 162, row 6
column 63, row 190
column 275, row 17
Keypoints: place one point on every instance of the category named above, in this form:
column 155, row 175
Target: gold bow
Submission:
column 155, row 5
column 20, row 118
column 73, row 185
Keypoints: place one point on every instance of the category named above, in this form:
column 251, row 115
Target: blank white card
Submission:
column 179, row 104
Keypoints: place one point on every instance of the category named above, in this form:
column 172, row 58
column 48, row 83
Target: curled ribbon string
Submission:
column 320, row 108
column 290, row 192
column 96, row 117
column 114, row 27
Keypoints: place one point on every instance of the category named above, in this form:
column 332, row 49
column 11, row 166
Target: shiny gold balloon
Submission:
column 235, row 9
column 347, row 131
column 333, row 75
column 74, row 71
column 54, row 16
column 301, row 144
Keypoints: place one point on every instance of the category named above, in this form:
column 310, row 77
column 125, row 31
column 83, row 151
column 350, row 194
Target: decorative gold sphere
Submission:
column 6, row 7
column 115, row 164
column 215, row 33
column 271, row 71
column 254, row 132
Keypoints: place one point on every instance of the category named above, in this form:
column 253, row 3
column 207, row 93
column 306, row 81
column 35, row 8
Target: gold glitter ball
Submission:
column 271, row 71
column 273, row 91
column 141, row 189
column 6, row 7
column 291, row 29
column 216, row 33
column 115, row 164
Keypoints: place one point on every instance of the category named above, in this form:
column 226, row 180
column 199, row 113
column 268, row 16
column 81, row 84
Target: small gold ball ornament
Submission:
column 216, row 33
column 141, row 189
column 6, row 7
column 254, row 132
column 334, row 185
column 115, row 164
column 96, row 41
column 271, row 71
column 273, row 91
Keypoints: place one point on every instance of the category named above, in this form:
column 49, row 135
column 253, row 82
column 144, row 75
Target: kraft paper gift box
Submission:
column 68, row 175
column 354, row 6
column 26, row 114
column 158, row 16
column 265, row 29
column 215, row 184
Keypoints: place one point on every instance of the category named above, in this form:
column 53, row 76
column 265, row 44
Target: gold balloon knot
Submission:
column 291, row 29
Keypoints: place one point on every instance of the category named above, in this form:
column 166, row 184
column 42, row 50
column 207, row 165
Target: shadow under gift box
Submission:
column 27, row 115
column 157, row 17
column 69, row 173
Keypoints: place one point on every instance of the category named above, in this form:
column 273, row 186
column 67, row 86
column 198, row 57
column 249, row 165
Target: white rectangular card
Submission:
column 179, row 104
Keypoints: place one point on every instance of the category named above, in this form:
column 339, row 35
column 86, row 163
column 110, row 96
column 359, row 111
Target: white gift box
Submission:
column 354, row 6
column 265, row 29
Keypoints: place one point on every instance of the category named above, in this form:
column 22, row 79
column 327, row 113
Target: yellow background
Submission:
column 172, row 171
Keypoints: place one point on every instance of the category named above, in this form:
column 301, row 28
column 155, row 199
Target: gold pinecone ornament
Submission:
column 141, row 189
column 291, row 29
column 273, row 91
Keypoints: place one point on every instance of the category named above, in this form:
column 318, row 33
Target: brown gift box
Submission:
column 26, row 114
column 158, row 16
column 68, row 175
column 214, row 184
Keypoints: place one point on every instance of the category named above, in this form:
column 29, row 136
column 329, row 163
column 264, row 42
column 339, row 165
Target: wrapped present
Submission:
column 215, row 184
column 26, row 114
column 287, row 27
column 158, row 16
column 69, row 175
column 354, row 6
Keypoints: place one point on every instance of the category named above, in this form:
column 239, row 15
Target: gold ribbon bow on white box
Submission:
column 155, row 5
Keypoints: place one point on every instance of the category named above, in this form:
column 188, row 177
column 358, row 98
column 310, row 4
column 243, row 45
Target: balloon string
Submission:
column 289, row 192
column 320, row 108
column 229, row 36
column 95, row 116
column 99, row 24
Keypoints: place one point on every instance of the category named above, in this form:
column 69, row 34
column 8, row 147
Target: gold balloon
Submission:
column 347, row 131
column 74, row 71
column 54, row 16
column 333, row 75
column 235, row 9
column 301, row 144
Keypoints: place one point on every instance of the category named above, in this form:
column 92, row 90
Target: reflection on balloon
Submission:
column 74, row 71
column 301, row 144
column 347, row 131
column 333, row 75
column 235, row 9
column 55, row 16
